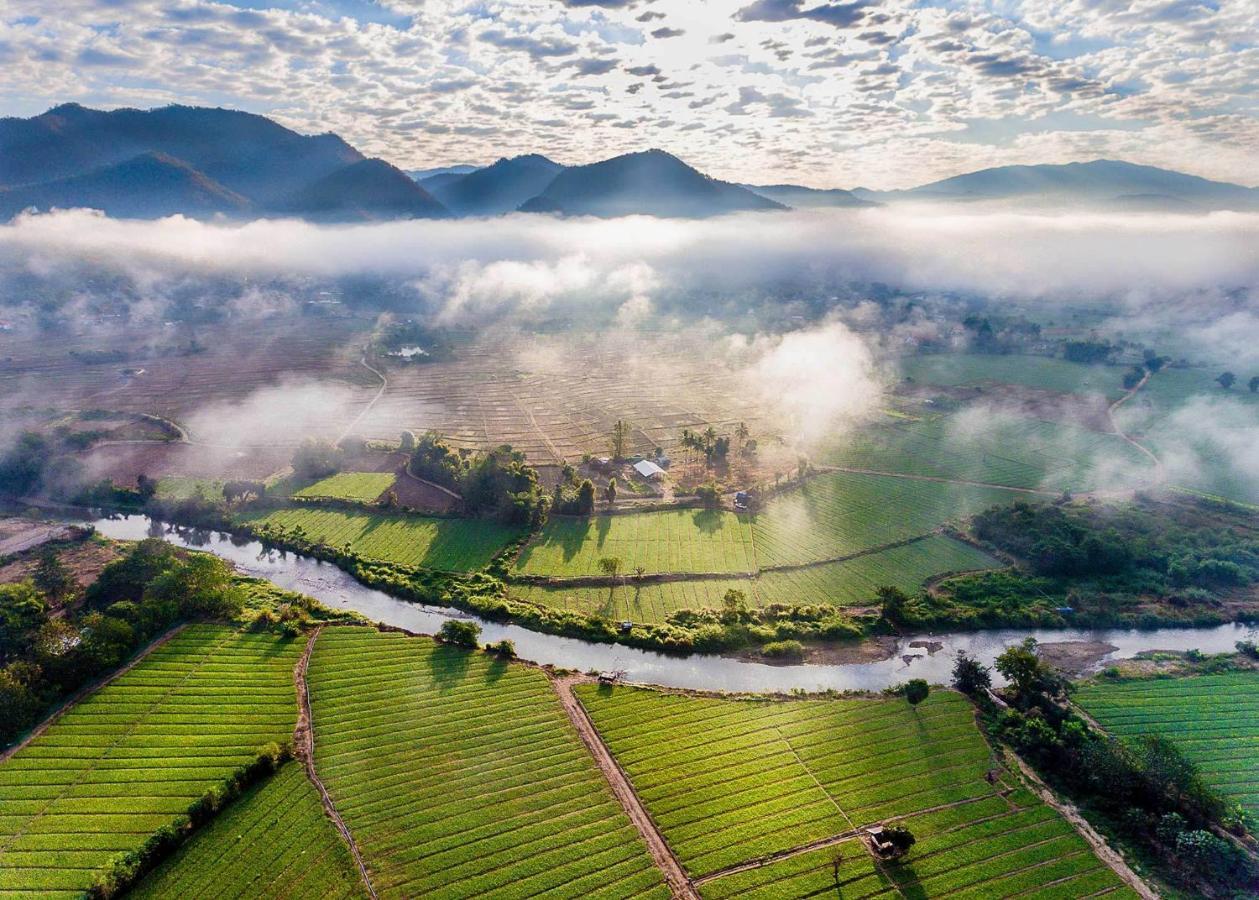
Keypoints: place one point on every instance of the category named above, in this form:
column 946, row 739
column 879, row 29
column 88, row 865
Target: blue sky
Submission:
column 881, row 93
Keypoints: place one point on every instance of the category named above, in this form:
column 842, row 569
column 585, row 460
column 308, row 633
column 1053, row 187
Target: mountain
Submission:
column 651, row 183
column 422, row 174
column 1103, row 181
column 804, row 197
column 248, row 154
column 147, row 186
column 497, row 189
column 362, row 191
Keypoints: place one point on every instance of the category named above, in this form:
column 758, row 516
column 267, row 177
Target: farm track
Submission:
column 90, row 689
column 380, row 392
column 1160, row 474
column 304, row 748
column 1103, row 850
column 675, row 876
column 938, row 480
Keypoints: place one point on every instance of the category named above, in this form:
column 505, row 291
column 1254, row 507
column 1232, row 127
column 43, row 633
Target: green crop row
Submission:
column 275, row 841
column 452, row 545
column 459, row 774
column 358, row 487
column 132, row 758
column 1214, row 719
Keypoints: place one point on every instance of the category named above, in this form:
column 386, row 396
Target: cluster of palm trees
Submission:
column 713, row 445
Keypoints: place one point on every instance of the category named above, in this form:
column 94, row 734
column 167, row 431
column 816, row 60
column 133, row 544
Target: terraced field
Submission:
column 460, row 774
column 356, row 487
column 455, row 545
column 838, row 514
column 1214, row 719
column 133, row 756
column 853, row 582
column 274, row 841
column 682, row 540
column 728, row 781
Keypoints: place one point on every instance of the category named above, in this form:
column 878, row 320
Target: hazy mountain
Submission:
column 804, row 197
column 248, row 154
column 649, row 183
column 497, row 189
column 437, row 182
column 365, row 190
column 1101, row 182
column 147, row 186
column 423, row 174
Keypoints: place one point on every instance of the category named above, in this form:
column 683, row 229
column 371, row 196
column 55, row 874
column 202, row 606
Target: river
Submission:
column 338, row 590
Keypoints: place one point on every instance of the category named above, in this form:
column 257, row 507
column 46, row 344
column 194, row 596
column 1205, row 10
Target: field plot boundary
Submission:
column 87, row 690
column 1096, row 842
column 304, row 747
column 661, row 853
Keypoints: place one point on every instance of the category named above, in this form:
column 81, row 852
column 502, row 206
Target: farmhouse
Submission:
column 648, row 469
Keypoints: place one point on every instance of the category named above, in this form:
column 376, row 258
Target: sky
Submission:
column 829, row 93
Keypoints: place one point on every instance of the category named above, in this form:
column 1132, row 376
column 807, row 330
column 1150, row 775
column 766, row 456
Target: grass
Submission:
column 850, row 583
column 272, row 842
column 133, row 756
column 356, row 487
column 682, row 540
column 453, row 545
column 459, row 774
column 177, row 487
column 729, row 781
column 1214, row 719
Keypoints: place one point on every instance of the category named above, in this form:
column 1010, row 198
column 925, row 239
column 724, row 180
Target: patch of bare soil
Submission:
column 84, row 559
column 124, row 462
column 874, row 649
column 1075, row 657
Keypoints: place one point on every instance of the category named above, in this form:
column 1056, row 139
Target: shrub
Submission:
column 503, row 648
column 789, row 649
column 916, row 691
column 970, row 676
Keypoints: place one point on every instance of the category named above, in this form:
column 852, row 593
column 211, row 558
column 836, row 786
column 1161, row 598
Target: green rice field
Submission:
column 274, row 841
column 132, row 757
column 729, row 781
column 853, row 582
column 175, row 487
column 1048, row 373
column 356, row 487
column 454, row 545
column 459, row 775
column 1214, row 719
column 832, row 515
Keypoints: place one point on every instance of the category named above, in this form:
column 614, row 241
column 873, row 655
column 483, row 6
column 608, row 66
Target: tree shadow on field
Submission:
column 448, row 666
column 497, row 668
column 603, row 524
column 707, row 521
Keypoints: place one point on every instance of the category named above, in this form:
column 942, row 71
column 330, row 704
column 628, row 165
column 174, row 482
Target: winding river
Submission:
column 932, row 659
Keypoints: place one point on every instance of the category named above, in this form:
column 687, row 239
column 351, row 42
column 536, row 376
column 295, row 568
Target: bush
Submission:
column 460, row 632
column 503, row 648
column 916, row 691
column 784, row 650
column 970, row 676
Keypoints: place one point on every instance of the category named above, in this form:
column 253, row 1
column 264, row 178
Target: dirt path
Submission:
column 32, row 538
column 938, row 480
column 674, row 874
column 1160, row 474
column 384, row 383
column 90, row 689
column 304, row 749
column 1085, row 830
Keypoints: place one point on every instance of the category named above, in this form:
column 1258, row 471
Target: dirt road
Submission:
column 674, row 874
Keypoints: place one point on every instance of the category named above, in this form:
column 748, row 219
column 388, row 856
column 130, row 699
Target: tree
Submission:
column 389, row 500
column 916, row 691
column 1022, row 667
column 1227, row 380
column 53, row 578
column 742, row 432
column 620, row 438
column 609, row 493
column 639, row 572
column 22, row 612
column 586, row 497
column 901, row 840
column 893, row 601
column 1253, row 384
column 970, row 676
column 146, row 487
column 460, row 632
column 316, row 459
column 610, row 566
column 406, row 441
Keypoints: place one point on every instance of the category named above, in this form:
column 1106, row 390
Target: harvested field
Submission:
column 850, row 583
column 460, row 775
column 84, row 559
column 272, row 842
column 729, row 781
column 356, row 487
column 1214, row 719
column 452, row 545
column 125, row 462
column 135, row 755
